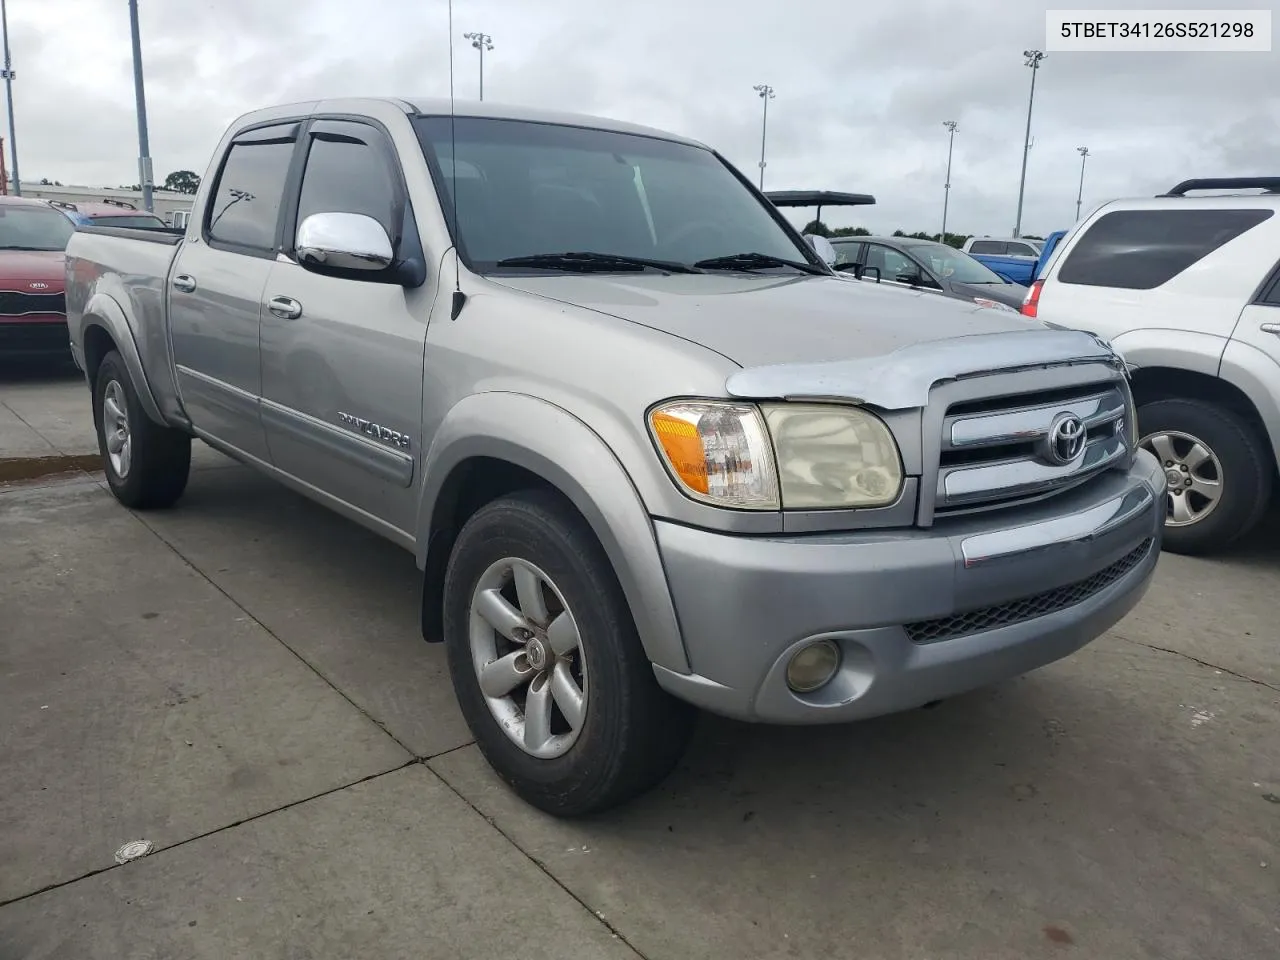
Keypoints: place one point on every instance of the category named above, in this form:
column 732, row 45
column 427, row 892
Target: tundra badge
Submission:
column 376, row 430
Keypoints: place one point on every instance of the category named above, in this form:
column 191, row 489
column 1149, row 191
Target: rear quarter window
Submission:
column 1142, row 249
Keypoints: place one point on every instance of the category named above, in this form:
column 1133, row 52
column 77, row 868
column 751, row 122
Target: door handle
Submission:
column 184, row 282
column 285, row 307
column 1271, row 328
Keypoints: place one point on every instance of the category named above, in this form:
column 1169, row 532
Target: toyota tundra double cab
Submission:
column 649, row 452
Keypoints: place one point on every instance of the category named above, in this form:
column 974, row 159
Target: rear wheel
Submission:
column 546, row 662
column 1217, row 472
column 146, row 465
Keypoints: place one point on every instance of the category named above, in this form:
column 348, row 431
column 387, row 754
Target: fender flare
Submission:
column 550, row 442
column 103, row 311
column 1179, row 349
column 1255, row 375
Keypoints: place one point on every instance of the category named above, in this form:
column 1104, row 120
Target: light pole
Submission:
column 946, row 187
column 1033, row 58
column 766, row 94
column 8, row 90
column 1084, row 155
column 144, row 150
column 482, row 42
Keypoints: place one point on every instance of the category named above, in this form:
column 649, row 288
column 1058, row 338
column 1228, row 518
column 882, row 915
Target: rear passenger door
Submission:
column 342, row 366
column 215, row 294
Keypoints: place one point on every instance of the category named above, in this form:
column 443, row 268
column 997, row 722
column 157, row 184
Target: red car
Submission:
column 33, row 311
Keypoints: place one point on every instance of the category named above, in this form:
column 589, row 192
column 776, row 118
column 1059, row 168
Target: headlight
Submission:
column 718, row 452
column 830, row 457
column 793, row 456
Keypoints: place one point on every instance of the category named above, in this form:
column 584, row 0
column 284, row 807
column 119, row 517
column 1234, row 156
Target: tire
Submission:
column 1243, row 467
column 631, row 733
column 152, row 472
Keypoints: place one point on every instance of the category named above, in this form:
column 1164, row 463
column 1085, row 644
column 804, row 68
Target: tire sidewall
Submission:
column 1245, row 471
column 511, row 529
column 112, row 368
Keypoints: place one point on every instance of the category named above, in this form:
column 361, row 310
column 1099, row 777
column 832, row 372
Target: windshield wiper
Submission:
column 755, row 261
column 586, row 260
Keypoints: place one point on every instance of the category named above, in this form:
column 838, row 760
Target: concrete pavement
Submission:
column 240, row 680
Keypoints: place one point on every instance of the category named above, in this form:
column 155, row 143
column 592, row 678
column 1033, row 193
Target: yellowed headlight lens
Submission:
column 831, row 457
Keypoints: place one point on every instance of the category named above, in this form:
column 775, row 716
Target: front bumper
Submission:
column 918, row 614
column 34, row 338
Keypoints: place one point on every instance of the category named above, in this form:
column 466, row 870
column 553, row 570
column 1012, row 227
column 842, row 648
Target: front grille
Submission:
column 14, row 303
column 996, row 452
column 1027, row 608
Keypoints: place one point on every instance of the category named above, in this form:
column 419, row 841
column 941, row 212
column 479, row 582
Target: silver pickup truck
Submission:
column 651, row 455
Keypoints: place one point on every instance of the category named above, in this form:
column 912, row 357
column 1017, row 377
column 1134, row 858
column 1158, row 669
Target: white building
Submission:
column 166, row 202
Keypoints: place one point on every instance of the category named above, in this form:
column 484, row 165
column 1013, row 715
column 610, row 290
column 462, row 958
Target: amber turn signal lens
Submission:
column 682, row 445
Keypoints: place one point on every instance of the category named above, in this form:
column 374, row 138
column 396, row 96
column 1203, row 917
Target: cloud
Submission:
column 862, row 90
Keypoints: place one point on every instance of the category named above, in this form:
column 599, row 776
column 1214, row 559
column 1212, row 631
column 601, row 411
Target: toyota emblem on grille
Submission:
column 1066, row 437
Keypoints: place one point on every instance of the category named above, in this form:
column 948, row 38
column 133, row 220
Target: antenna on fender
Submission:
column 459, row 298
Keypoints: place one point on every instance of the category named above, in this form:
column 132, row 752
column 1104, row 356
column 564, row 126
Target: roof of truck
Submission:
column 441, row 106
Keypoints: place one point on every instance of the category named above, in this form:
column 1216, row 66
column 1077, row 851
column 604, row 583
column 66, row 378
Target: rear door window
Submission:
column 1142, row 249
column 991, row 247
column 246, row 201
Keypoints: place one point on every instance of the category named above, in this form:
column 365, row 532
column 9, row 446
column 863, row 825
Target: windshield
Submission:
column 33, row 228
column 952, row 264
column 137, row 220
column 527, row 188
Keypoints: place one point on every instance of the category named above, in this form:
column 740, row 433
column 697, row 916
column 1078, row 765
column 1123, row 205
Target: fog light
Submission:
column 813, row 666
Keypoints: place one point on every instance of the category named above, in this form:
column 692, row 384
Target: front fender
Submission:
column 552, row 443
column 1178, row 349
column 104, row 311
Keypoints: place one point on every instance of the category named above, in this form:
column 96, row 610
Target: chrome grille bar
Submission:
column 1000, row 451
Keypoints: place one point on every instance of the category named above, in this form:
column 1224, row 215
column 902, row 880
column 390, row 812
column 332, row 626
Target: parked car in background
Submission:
column 33, row 241
column 1187, row 288
column 1015, row 260
column 991, row 246
column 108, row 213
column 649, row 451
column 927, row 265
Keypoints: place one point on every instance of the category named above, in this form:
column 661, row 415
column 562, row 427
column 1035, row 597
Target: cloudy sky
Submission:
column 862, row 89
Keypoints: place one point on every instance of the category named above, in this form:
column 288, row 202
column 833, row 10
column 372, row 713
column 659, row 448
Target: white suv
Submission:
column 1187, row 289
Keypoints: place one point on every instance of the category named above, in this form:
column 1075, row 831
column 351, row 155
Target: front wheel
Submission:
column 546, row 662
column 1217, row 472
column 146, row 464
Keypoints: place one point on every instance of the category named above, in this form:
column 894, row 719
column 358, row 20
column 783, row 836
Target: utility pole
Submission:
column 946, row 187
column 1033, row 58
column 766, row 94
column 1084, row 155
column 145, row 179
column 8, row 91
column 482, row 42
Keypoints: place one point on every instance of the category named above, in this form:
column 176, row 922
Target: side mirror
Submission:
column 861, row 274
column 822, row 247
column 911, row 278
column 343, row 241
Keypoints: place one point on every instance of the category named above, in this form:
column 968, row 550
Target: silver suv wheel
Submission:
column 528, row 658
column 1193, row 475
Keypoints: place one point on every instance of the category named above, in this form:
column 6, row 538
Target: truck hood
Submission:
column 19, row 269
column 756, row 320
column 824, row 337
